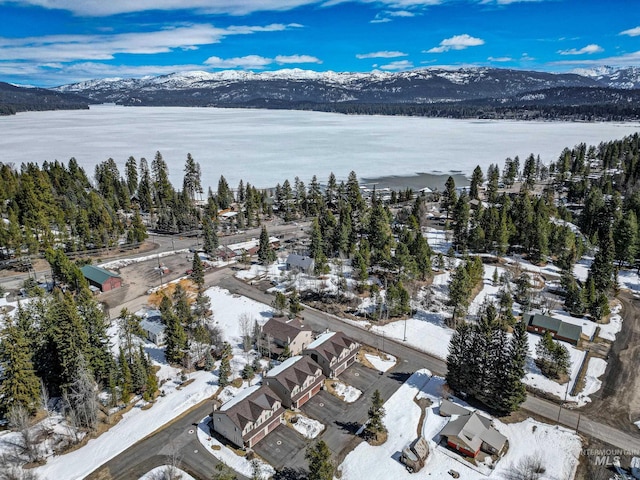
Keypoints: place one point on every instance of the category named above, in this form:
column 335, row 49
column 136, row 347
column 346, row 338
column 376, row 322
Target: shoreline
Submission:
column 433, row 180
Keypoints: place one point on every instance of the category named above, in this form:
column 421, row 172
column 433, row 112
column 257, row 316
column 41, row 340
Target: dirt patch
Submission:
column 187, row 284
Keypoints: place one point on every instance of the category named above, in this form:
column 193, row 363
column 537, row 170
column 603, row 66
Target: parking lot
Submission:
column 285, row 447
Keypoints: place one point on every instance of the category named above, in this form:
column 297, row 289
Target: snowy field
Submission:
column 379, row 363
column 558, row 447
column 276, row 143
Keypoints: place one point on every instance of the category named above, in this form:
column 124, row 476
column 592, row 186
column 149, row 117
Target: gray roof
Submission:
column 97, row 274
column 300, row 261
column 474, row 429
column 332, row 345
column 562, row 329
column 448, row 408
column 248, row 409
column 283, row 330
column 296, row 370
column 154, row 327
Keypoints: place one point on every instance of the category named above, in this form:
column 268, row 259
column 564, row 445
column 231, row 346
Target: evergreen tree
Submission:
column 477, row 179
column 19, row 385
column 449, row 196
column 513, row 392
column 131, row 172
column 320, row 465
column 266, row 255
column 626, row 239
column 224, row 372
column 376, row 413
column 175, row 337
column 197, row 271
column 125, row 378
column 210, row 238
column 279, row 302
column 602, row 267
column 295, row 307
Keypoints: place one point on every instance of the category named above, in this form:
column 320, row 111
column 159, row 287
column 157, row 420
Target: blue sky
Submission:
column 53, row 42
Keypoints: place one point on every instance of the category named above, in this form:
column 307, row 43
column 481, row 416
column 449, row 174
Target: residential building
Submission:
column 301, row 263
column 249, row 416
column 280, row 332
column 295, row 381
column 101, row 278
column 334, row 352
column 564, row 331
column 153, row 331
column 471, row 433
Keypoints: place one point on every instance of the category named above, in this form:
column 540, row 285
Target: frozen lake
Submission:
column 265, row 147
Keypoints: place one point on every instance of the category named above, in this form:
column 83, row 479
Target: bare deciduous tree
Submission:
column 81, row 400
column 20, row 420
column 246, row 328
column 530, row 467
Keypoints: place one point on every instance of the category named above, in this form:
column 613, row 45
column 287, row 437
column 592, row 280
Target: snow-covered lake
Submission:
column 264, row 147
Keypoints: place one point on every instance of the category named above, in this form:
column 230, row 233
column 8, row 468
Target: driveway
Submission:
column 281, row 446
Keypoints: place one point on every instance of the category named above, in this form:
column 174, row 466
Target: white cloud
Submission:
column 101, row 8
column 69, row 48
column 457, row 42
column 297, row 59
column 388, row 15
column 247, row 62
column 629, row 59
column 258, row 62
column 632, row 32
column 589, row 49
column 500, row 59
column 382, row 54
column 397, row 65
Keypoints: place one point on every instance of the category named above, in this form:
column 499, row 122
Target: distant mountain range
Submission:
column 21, row 99
column 467, row 91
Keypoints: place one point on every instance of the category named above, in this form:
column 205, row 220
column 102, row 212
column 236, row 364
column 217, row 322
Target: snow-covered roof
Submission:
column 239, row 397
column 275, row 371
column 154, row 327
column 320, row 340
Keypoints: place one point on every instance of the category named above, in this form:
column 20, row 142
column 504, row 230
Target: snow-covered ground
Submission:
column 535, row 378
column 379, row 363
column 136, row 424
column 159, row 473
column 630, row 280
column 557, row 447
column 347, row 393
column 307, row 427
column 227, row 456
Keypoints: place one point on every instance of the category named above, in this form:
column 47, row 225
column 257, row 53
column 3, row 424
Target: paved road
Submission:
column 549, row 410
column 177, row 438
column 154, row 449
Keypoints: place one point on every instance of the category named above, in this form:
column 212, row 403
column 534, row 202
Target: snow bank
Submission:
column 347, row 393
column 117, row 264
column 307, row 427
column 380, row 364
column 158, row 472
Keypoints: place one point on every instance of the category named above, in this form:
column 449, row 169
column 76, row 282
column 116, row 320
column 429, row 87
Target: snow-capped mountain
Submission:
column 627, row 78
column 430, row 85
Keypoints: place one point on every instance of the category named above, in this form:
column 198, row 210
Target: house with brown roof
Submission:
column 471, row 433
column 333, row 351
column 279, row 332
column 249, row 416
column 295, row 380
